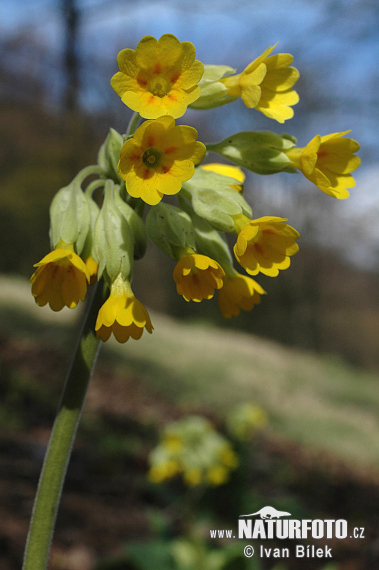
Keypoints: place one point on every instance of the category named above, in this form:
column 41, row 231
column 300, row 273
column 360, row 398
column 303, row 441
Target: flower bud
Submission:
column 261, row 152
column 170, row 229
column 109, row 155
column 113, row 238
column 214, row 199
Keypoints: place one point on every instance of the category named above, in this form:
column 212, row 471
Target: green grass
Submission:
column 319, row 401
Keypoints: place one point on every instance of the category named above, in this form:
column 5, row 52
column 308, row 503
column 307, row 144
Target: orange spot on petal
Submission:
column 165, row 169
column 146, row 174
column 175, row 78
column 158, row 68
column 258, row 248
column 171, row 149
column 141, row 82
column 150, row 141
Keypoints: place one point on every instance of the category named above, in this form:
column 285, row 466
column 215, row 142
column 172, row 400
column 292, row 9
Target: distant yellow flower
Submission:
column 61, row 279
column 238, row 292
column 265, row 245
column 122, row 314
column 164, row 470
column 217, row 475
column 159, row 78
column 192, row 476
column 159, row 158
column 197, row 276
column 227, row 170
column 266, row 85
column 327, row 162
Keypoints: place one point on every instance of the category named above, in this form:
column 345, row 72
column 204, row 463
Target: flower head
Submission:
column 266, row 85
column 159, row 77
column 61, row 279
column 238, row 292
column 159, row 158
column 327, row 162
column 265, row 245
column 191, row 446
column 227, row 170
column 122, row 314
column 197, row 276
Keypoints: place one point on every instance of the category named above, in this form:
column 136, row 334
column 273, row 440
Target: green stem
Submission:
column 62, row 438
column 133, row 124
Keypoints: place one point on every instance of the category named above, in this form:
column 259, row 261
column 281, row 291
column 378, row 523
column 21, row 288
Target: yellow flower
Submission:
column 227, row 170
column 217, row 475
column 159, row 78
column 92, row 267
column 197, row 276
column 122, row 314
column 327, row 162
column 192, row 476
column 61, row 279
column 266, row 85
column 159, row 158
column 265, row 245
column 238, row 292
column 164, row 470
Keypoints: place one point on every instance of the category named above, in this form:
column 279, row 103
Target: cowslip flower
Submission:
column 327, row 162
column 61, row 279
column 266, row 85
column 159, row 77
column 265, row 245
column 227, row 170
column 122, row 314
column 197, row 276
column 159, row 158
column 238, row 292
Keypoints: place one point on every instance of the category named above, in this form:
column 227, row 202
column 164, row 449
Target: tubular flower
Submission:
column 197, row 276
column 122, row 314
column 227, row 170
column 61, row 279
column 238, row 292
column 265, row 245
column 159, row 158
column 159, row 77
column 266, row 85
column 327, row 162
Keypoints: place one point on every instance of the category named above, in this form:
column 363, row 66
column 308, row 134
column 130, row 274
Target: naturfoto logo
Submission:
column 271, row 524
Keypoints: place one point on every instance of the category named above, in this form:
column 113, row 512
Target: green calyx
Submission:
column 170, row 229
column 214, row 200
column 261, row 152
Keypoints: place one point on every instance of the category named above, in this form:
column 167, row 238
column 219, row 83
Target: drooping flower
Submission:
column 227, row 170
column 159, row 158
column 238, row 292
column 265, row 245
column 197, row 276
column 61, row 279
column 266, row 85
column 160, row 77
column 122, row 314
column 327, row 162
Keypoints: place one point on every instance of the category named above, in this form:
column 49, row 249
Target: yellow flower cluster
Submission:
column 159, row 80
column 193, row 448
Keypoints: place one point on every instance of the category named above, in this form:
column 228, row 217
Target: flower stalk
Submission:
column 62, row 438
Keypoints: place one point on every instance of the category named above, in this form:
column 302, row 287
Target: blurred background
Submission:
column 308, row 354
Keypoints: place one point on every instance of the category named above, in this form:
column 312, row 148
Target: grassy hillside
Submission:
column 320, row 402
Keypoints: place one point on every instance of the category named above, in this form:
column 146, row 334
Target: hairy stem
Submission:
column 62, row 438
